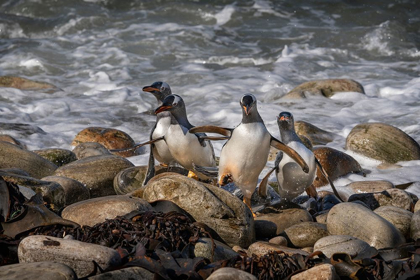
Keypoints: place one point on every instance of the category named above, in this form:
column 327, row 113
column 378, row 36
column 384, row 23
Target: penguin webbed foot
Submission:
column 225, row 179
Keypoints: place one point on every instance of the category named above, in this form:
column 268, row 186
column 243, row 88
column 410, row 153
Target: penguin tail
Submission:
column 208, row 171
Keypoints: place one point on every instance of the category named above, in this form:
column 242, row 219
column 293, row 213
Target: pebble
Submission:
column 286, row 218
column 319, row 272
column 316, row 135
column 391, row 197
column 129, row 273
column 264, row 229
column 24, row 84
column 12, row 140
column 204, row 247
column 370, row 186
column 305, row 234
column 74, row 191
column 399, row 217
column 90, row 149
column 415, row 226
column 47, row 270
column 279, row 240
column 59, row 157
column 350, row 245
column 261, row 248
column 229, row 273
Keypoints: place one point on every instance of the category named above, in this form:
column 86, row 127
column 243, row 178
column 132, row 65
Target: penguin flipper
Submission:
column 136, row 146
column 325, row 174
column 290, row 152
column 279, row 157
column 215, row 138
column 212, row 129
column 150, row 166
column 208, row 171
column 262, row 189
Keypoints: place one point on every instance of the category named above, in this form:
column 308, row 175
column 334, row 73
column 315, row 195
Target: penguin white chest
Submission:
column 161, row 150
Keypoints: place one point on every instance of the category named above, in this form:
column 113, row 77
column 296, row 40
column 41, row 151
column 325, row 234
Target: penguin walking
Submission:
column 245, row 153
column 292, row 180
column 159, row 149
column 186, row 148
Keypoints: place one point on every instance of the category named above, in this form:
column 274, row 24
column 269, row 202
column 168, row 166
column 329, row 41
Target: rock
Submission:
column 335, row 163
column 12, row 140
column 74, row 191
column 24, row 84
column 265, row 229
column 15, row 171
column 12, row 156
column 261, row 248
column 109, row 137
column 399, row 217
column 417, row 206
column 77, row 255
column 370, row 186
column 22, row 129
column 286, row 218
column 278, row 240
column 324, row 271
column 391, row 197
column 325, row 88
column 129, row 273
column 356, row 220
column 90, row 149
column 96, row 173
column 37, row 270
column 230, row 273
column 316, row 136
column 415, row 226
column 305, row 234
column 215, row 207
column 59, row 157
column 204, row 246
column 350, row 245
column 322, row 218
column 97, row 210
column 382, row 142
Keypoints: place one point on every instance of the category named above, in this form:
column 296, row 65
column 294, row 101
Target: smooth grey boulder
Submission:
column 316, row 135
column 48, row 270
column 90, row 149
column 356, row 220
column 217, row 208
column 382, row 142
column 261, row 248
column 305, row 234
column 350, row 245
column 415, row 226
column 97, row 210
column 391, row 197
column 204, row 248
column 230, row 273
column 324, row 271
column 57, row 156
column 129, row 273
column 370, row 186
column 399, row 217
column 77, row 255
column 12, row 156
column 278, row 240
column 74, row 191
column 264, row 229
column 286, row 218
column 96, row 173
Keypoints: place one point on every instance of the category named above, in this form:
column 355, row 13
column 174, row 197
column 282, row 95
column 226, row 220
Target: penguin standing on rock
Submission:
column 186, row 148
column 159, row 149
column 245, row 154
column 292, row 180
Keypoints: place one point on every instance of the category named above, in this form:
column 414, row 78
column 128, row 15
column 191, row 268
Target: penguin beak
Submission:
column 247, row 109
column 162, row 108
column 150, row 89
column 283, row 118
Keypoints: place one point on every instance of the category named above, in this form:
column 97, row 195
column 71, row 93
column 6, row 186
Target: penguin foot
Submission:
column 164, row 165
column 311, row 191
column 225, row 179
column 192, row 175
column 247, row 202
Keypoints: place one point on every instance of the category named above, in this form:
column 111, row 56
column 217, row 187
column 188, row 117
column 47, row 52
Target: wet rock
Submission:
column 12, row 156
column 24, row 84
column 77, row 255
column 96, row 210
column 12, row 140
column 316, row 135
column 15, row 171
column 417, row 206
column 370, row 186
column 261, row 248
column 391, row 197
column 109, row 137
column 59, row 157
column 265, row 229
column 305, row 234
column 356, row 220
column 327, row 200
column 350, row 245
column 324, row 271
column 129, row 273
column 382, row 142
column 38, row 270
column 415, row 226
column 335, row 163
column 96, row 173
column 399, row 217
column 215, row 207
column 90, row 149
column 22, row 129
column 278, row 240
column 322, row 218
column 325, row 88
column 230, row 273
column 74, row 191
column 204, row 247
column 286, row 218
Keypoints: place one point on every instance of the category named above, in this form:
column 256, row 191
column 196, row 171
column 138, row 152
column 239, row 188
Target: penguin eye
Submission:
column 162, row 88
column 175, row 103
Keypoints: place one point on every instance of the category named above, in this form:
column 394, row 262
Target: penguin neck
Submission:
column 163, row 115
column 288, row 135
column 177, row 119
column 251, row 118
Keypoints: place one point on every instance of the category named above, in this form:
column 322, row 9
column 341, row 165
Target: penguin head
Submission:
column 159, row 89
column 248, row 103
column 285, row 120
column 172, row 103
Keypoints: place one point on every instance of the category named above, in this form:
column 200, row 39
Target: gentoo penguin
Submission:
column 292, row 180
column 186, row 148
column 245, row 154
column 159, row 149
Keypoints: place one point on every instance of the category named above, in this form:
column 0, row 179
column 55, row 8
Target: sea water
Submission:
column 100, row 53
